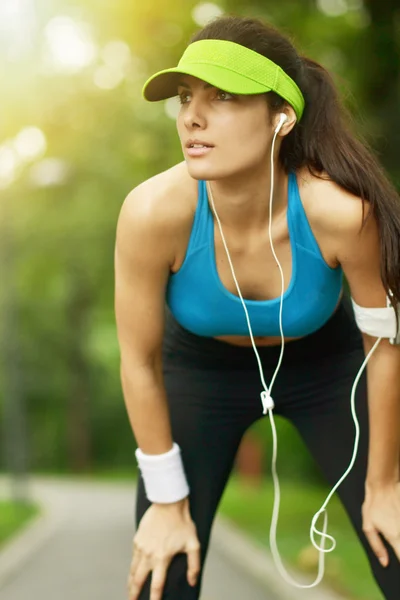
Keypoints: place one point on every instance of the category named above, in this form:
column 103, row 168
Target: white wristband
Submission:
column 163, row 475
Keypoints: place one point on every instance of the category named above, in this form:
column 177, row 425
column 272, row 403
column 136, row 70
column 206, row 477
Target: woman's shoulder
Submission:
column 160, row 211
column 167, row 198
column 329, row 207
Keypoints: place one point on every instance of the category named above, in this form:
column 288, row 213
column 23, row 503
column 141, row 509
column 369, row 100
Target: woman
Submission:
column 189, row 374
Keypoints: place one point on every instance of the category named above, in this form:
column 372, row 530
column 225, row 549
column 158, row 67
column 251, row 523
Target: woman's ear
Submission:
column 285, row 125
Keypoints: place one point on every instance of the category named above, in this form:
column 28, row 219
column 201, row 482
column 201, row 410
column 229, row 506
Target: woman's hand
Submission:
column 164, row 530
column 381, row 514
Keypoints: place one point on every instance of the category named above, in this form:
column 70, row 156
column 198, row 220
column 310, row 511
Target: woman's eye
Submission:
column 222, row 92
column 181, row 97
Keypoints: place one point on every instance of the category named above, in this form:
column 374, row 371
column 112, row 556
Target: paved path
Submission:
column 82, row 549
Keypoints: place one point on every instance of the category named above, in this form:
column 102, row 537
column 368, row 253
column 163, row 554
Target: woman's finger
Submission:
column 158, row 580
column 193, row 560
column 135, row 561
column 137, row 580
column 377, row 545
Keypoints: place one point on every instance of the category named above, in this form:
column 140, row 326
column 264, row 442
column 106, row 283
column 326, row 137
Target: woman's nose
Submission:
column 194, row 112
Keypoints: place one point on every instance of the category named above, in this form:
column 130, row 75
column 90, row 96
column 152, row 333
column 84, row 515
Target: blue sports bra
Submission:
column 202, row 305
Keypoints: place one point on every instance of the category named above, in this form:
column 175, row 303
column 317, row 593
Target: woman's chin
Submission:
column 202, row 170
column 196, row 169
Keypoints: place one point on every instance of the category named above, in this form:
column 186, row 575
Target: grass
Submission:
column 13, row 517
column 117, row 475
column 346, row 568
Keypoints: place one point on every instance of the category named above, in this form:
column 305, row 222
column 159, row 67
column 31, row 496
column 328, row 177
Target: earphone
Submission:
column 268, row 405
column 282, row 119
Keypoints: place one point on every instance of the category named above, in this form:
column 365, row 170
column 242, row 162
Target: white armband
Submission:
column 378, row 322
column 163, row 475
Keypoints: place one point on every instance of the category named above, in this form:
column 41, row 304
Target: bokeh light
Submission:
column 333, row 8
column 116, row 55
column 107, row 78
column 205, row 12
column 172, row 107
column 49, row 172
column 18, row 25
column 30, row 143
column 8, row 164
column 69, row 45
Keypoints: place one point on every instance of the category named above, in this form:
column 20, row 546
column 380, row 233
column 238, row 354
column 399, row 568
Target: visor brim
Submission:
column 164, row 84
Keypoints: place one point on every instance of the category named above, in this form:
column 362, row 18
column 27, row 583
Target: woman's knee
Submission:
column 387, row 578
column 176, row 584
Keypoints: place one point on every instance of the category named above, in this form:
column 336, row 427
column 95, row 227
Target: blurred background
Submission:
column 75, row 138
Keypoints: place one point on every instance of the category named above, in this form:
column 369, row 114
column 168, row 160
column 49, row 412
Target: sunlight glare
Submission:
column 18, row 25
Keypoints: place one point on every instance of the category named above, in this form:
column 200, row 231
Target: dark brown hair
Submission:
column 322, row 140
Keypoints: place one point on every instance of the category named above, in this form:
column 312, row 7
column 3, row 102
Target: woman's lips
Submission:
column 199, row 151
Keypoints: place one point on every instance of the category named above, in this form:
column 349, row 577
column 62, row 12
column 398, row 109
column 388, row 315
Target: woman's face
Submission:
column 237, row 126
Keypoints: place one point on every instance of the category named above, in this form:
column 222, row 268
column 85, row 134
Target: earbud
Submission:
column 282, row 119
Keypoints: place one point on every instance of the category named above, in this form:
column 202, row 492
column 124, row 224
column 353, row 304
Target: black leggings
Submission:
column 213, row 391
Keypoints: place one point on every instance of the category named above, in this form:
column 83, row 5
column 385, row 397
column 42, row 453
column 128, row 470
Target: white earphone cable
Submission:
column 268, row 405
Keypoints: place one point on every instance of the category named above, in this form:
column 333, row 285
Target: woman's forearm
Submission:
column 147, row 408
column 383, row 377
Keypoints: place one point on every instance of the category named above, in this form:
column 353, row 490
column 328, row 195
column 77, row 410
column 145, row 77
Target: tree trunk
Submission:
column 249, row 460
column 382, row 78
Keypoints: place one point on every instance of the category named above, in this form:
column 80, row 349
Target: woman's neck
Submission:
column 243, row 203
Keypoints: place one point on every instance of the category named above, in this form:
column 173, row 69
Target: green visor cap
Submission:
column 230, row 67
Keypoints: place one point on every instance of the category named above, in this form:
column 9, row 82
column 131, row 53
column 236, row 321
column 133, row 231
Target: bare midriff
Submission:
column 242, row 340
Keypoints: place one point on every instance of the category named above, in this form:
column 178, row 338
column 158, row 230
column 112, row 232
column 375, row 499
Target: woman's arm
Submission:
column 147, row 233
column 359, row 254
column 144, row 253
column 383, row 377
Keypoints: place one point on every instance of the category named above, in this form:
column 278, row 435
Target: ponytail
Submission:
column 323, row 141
